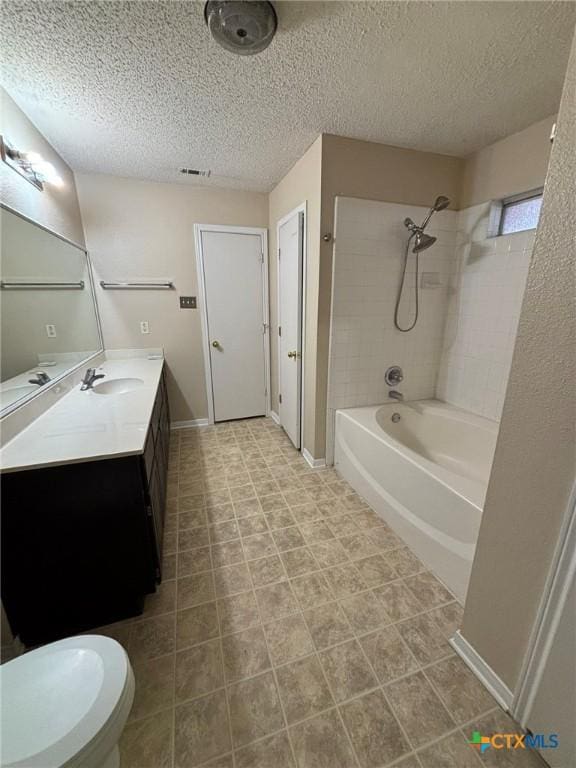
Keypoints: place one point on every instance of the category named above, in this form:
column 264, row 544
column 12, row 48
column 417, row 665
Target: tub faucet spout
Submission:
column 396, row 395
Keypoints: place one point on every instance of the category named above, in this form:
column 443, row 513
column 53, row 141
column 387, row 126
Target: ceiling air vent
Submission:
column 194, row 172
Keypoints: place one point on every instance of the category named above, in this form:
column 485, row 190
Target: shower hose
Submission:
column 401, row 289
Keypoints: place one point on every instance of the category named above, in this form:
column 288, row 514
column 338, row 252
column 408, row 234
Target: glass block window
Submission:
column 520, row 212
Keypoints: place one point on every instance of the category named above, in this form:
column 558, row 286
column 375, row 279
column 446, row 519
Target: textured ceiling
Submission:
column 140, row 89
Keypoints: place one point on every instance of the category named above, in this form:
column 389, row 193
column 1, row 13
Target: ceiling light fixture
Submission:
column 245, row 27
column 30, row 165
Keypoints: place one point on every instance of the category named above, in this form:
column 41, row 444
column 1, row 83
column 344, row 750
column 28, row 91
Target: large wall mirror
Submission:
column 48, row 314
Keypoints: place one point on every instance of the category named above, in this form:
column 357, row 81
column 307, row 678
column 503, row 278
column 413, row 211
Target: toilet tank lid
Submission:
column 56, row 699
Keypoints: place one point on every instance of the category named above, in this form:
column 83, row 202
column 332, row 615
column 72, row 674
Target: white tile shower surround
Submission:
column 487, row 288
column 461, row 348
column 370, row 238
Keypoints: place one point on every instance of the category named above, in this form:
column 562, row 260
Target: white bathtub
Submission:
column 426, row 475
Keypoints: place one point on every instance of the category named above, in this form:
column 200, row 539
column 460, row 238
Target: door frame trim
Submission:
column 302, row 208
column 262, row 232
column 552, row 603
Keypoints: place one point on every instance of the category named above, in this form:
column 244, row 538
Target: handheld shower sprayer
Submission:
column 422, row 241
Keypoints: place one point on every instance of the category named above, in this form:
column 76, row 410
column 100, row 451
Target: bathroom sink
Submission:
column 117, row 386
column 11, row 394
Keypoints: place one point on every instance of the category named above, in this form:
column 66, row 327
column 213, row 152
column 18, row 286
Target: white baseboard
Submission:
column 314, row 463
column 274, row 416
column 483, row 672
column 189, row 424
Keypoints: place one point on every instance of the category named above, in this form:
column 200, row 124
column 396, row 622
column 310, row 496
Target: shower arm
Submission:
column 424, row 224
column 415, row 228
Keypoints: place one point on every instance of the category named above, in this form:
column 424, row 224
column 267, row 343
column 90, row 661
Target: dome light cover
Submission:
column 245, row 27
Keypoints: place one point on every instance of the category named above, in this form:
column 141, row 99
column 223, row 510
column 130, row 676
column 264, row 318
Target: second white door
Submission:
column 290, row 264
column 233, row 271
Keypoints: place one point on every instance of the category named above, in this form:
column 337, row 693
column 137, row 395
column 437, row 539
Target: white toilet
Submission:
column 66, row 704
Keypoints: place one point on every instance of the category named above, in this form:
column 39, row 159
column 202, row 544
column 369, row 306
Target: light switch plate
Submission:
column 187, row 302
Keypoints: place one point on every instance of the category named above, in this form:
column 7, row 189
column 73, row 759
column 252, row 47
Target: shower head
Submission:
column 440, row 203
column 422, row 242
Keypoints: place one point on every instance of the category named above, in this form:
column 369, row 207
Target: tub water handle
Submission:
column 394, row 375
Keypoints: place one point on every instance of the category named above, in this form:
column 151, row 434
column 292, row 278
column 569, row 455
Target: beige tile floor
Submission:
column 293, row 627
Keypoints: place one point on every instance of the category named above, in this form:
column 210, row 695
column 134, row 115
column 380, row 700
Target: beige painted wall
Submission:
column 534, row 466
column 139, row 230
column 390, row 174
column 515, row 164
column 54, row 207
column 301, row 184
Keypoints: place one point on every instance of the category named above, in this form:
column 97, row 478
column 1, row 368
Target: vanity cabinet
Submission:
column 81, row 542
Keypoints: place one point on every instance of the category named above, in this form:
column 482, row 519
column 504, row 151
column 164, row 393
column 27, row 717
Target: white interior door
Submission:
column 233, row 269
column 290, row 260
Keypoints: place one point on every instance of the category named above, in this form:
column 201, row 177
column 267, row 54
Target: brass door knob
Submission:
column 292, row 354
column 216, row 344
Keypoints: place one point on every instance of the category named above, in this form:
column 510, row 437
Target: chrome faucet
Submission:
column 89, row 378
column 396, row 395
column 41, row 378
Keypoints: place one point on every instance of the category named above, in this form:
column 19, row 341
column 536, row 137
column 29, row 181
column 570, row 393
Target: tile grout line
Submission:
column 173, row 734
column 399, row 579
column 391, row 708
column 226, row 694
column 300, row 611
column 319, row 662
column 458, row 729
column 283, row 664
column 316, row 654
column 334, row 598
column 272, row 666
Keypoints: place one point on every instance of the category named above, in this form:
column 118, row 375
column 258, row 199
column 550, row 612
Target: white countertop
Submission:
column 85, row 426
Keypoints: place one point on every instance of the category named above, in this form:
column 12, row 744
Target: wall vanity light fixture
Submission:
column 30, row 165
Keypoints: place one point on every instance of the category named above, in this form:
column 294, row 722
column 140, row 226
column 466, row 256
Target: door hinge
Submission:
column 279, row 330
column 279, row 398
column 264, row 327
column 278, row 252
column 262, row 258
